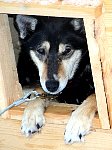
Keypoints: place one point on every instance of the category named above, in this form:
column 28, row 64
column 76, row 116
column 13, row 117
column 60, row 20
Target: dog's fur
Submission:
column 55, row 51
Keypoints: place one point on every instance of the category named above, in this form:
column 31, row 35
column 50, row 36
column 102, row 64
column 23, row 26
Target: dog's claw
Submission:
column 34, row 132
column 29, row 132
column 80, row 135
column 38, row 126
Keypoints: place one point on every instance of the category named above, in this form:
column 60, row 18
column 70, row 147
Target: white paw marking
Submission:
column 33, row 120
column 77, row 127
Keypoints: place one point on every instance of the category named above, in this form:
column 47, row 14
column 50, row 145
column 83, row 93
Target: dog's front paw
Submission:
column 77, row 127
column 32, row 121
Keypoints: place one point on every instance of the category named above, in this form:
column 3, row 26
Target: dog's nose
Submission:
column 52, row 85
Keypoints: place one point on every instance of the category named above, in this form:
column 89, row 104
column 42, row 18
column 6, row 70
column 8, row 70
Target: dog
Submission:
column 55, row 54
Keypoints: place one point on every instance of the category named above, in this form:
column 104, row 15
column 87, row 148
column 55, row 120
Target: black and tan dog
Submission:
column 54, row 50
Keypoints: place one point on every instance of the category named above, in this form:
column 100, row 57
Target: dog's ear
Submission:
column 25, row 24
column 78, row 25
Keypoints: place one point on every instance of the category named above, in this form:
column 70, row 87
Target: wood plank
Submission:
column 9, row 87
column 56, row 113
column 94, row 53
column 105, row 42
column 108, row 5
column 50, row 138
column 57, row 9
column 107, row 17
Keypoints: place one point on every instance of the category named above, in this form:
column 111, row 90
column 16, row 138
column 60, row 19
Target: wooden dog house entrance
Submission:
column 95, row 22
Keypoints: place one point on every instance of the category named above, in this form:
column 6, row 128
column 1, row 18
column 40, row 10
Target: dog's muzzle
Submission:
column 52, row 85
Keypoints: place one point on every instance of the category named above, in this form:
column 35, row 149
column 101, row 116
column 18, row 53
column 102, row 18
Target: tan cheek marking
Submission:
column 44, row 73
column 61, row 71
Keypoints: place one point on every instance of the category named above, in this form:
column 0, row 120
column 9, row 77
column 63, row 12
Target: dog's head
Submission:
column 56, row 47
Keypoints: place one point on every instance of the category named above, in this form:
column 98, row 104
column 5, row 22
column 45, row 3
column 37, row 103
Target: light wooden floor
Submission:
column 51, row 137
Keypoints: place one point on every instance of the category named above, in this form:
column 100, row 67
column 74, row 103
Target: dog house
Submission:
column 98, row 26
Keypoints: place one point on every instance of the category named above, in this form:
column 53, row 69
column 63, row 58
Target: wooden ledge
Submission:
column 57, row 9
column 50, row 138
column 56, row 113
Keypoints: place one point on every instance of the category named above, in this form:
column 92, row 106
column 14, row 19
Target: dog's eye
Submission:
column 41, row 51
column 67, row 50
